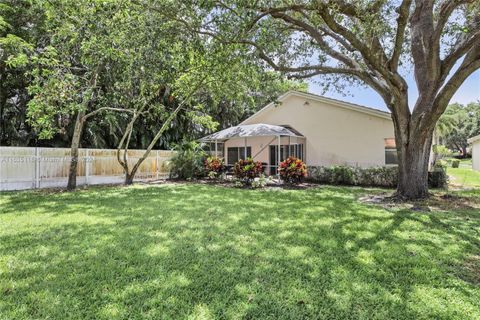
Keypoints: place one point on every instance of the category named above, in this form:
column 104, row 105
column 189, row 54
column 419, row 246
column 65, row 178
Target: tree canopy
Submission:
column 61, row 50
column 466, row 120
column 373, row 43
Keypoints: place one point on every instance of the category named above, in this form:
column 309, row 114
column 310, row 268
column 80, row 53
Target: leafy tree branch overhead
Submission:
column 368, row 42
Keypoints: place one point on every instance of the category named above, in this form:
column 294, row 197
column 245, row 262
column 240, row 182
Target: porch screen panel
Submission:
column 294, row 150
column 236, row 153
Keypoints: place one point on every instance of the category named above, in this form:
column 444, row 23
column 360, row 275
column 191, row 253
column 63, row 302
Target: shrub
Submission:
column 441, row 151
column 214, row 167
column 261, row 181
column 247, row 170
column 378, row 176
column 292, row 170
column 440, row 164
column 385, row 177
column 438, row 178
column 345, row 175
column 188, row 161
column 338, row 175
column 455, row 163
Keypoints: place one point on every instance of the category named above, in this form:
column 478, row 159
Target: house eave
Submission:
column 473, row 139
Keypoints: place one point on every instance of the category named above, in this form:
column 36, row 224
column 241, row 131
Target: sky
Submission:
column 468, row 92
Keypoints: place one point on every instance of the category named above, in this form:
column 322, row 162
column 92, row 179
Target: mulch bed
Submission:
column 436, row 202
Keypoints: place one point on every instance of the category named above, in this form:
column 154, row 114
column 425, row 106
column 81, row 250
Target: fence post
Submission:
column 37, row 168
column 156, row 164
column 87, row 165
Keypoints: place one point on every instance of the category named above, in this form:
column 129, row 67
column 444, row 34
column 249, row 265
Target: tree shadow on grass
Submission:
column 195, row 250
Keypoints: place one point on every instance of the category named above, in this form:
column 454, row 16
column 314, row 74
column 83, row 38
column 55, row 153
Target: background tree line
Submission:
column 457, row 125
column 55, row 54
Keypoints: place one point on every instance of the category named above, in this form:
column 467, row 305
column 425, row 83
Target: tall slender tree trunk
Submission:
column 77, row 134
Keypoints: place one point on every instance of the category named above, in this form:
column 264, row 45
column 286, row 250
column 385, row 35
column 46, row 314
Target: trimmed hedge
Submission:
column 385, row 177
column 455, row 163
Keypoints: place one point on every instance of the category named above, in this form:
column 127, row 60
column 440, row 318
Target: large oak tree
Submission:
column 374, row 43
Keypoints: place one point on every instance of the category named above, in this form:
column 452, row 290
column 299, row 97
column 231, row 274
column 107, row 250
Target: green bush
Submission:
column 247, row 170
column 188, row 161
column 440, row 164
column 346, row 175
column 455, row 163
column 441, row 151
column 378, row 176
column 214, row 167
column 292, row 170
column 385, row 177
column 438, row 178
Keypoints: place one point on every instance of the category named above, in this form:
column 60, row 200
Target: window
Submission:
column 236, row 153
column 391, row 156
column 220, row 148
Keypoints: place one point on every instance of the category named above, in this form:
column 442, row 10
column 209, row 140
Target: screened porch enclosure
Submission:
column 286, row 150
column 268, row 144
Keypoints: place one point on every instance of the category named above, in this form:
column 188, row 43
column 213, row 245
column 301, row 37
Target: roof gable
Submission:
column 474, row 139
column 330, row 101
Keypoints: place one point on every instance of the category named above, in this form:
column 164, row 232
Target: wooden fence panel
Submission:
column 29, row 168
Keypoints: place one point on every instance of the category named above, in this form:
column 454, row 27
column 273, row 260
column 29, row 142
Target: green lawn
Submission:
column 203, row 252
column 464, row 176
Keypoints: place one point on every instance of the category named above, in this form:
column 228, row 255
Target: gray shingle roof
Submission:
column 250, row 130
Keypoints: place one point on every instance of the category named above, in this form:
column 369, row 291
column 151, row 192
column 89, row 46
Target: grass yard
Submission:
column 464, row 176
column 204, row 252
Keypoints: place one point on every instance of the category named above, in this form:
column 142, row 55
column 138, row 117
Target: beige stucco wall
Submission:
column 476, row 155
column 335, row 135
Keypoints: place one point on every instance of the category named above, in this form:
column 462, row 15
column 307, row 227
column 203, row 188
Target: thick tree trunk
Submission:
column 413, row 159
column 77, row 133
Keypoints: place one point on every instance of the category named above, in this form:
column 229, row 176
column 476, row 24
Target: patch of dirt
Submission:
column 228, row 183
column 436, row 202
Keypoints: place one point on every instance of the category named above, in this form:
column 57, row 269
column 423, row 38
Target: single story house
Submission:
column 319, row 130
column 475, row 141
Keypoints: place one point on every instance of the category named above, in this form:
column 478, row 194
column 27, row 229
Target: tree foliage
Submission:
column 373, row 43
column 21, row 32
column 54, row 47
column 467, row 125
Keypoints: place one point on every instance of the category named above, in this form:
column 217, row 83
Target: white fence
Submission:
column 31, row 168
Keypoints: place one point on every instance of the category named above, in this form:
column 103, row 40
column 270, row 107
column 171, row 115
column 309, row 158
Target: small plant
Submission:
column 214, row 167
column 455, row 163
column 260, row 182
column 441, row 151
column 440, row 164
column 292, row 170
column 238, row 184
column 438, row 178
column 187, row 163
column 247, row 170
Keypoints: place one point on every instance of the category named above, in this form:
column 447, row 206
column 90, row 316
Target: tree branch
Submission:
column 88, row 115
column 459, row 51
column 402, row 20
column 470, row 64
